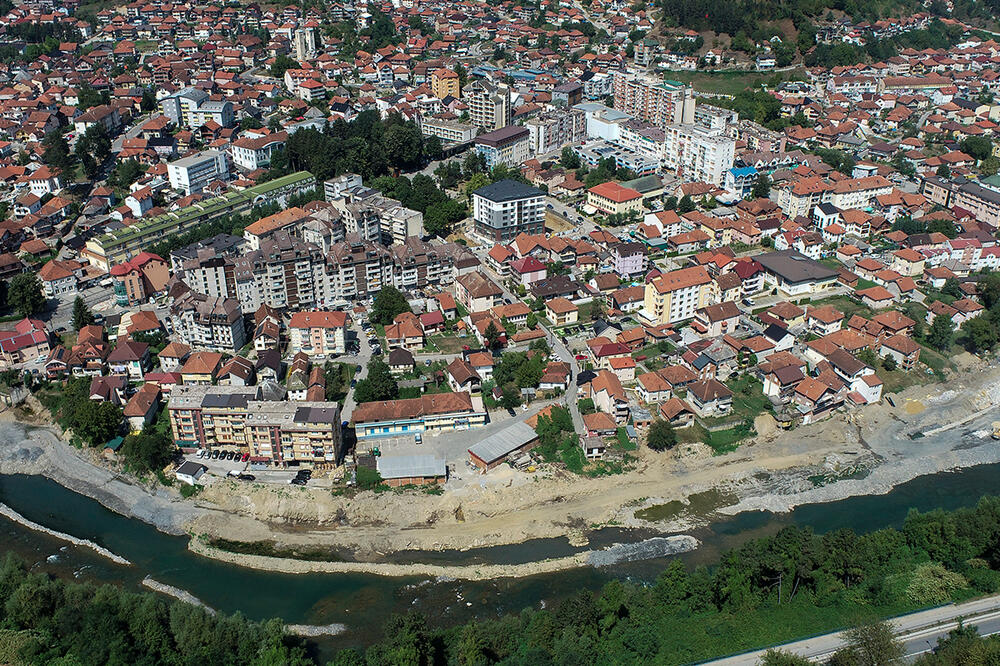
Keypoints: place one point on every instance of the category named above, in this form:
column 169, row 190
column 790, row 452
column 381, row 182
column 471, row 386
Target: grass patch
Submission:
column 659, row 512
column 190, row 491
column 447, row 344
column 586, row 311
column 721, row 441
column 846, row 305
column 732, row 82
column 271, row 549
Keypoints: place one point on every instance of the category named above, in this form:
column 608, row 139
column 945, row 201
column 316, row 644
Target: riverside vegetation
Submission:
column 769, row 590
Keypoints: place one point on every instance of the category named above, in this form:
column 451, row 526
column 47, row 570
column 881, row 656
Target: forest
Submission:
column 769, row 590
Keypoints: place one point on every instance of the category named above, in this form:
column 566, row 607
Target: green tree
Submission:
column 474, row 182
column 281, row 64
column 870, row 644
column 761, row 188
column 943, row 171
column 433, row 149
column 978, row 147
column 510, row 396
column 97, row 423
column 388, row 303
column 980, row 333
column 24, row 294
column 147, row 451
column 378, row 384
column 685, row 205
column 661, row 436
column 82, row 315
column 775, row 657
column 569, row 159
column 989, row 166
column 889, row 362
column 941, row 332
column 492, row 335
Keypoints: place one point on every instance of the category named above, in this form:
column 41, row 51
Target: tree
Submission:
column 389, row 302
column 148, row 102
column 685, row 205
column 978, row 147
column 147, row 451
column 889, row 362
column 661, row 436
column 989, row 166
column 492, row 335
column 24, row 294
column 761, row 188
column 941, row 332
column 432, row 148
column 403, row 145
column 82, row 315
column 531, row 321
column 783, row 658
column 943, row 171
column 510, row 396
column 870, row 644
column 282, row 64
column 57, row 153
column 569, row 159
column 378, row 384
column 476, row 181
column 980, row 333
column 97, row 423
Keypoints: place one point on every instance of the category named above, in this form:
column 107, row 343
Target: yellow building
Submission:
column 613, row 199
column 445, row 82
column 673, row 297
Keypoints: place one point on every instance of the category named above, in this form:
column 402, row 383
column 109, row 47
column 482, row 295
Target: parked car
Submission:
column 215, row 455
column 247, row 477
column 246, row 457
column 298, row 481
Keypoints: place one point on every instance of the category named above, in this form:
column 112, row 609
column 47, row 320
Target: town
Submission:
column 395, row 245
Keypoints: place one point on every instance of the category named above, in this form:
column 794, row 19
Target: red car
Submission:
column 580, row 357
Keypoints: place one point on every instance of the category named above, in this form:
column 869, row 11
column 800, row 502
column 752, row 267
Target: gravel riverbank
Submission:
column 866, row 451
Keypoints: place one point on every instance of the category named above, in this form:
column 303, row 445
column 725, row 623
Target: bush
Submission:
column 190, row 491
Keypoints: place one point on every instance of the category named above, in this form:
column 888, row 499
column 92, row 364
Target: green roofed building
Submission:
column 121, row 245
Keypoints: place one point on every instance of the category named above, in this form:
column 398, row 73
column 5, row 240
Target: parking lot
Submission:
column 261, row 473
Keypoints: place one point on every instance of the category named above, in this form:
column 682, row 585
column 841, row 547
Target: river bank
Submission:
column 868, row 451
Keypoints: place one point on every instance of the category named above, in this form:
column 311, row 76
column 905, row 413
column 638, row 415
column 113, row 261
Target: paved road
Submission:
column 362, row 358
column 919, row 632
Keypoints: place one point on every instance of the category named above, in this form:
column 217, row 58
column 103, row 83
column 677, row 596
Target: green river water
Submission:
column 363, row 602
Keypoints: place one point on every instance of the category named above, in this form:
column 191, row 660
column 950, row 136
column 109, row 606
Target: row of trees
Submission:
column 367, row 145
column 769, row 590
column 72, row 623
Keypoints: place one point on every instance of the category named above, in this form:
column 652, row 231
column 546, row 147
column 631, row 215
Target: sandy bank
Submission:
column 674, row 544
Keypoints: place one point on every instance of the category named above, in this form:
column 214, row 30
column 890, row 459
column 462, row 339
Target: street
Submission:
column 919, row 632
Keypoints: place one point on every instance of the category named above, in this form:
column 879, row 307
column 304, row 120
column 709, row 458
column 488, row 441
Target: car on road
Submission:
column 247, row 477
column 297, row 481
column 580, row 357
column 357, row 368
column 354, row 382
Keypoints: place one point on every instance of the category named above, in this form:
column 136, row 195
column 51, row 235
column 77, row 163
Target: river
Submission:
column 363, row 602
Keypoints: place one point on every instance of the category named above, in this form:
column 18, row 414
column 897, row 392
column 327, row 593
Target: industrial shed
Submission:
column 495, row 449
column 412, row 470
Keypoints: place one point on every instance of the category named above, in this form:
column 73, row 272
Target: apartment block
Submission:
column 489, row 104
column 696, row 153
column 318, row 334
column 195, row 173
column 675, row 296
column 508, row 146
column 205, row 322
column 551, row 131
column 238, row 418
column 192, row 108
column 654, row 100
column 448, row 130
column 507, row 208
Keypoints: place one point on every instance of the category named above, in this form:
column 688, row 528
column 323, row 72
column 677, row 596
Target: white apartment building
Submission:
column 205, row 322
column 252, row 153
column 555, row 129
column 448, row 130
column 696, row 153
column 859, row 192
column 193, row 108
column 318, row 334
column 489, row 104
column 193, row 174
